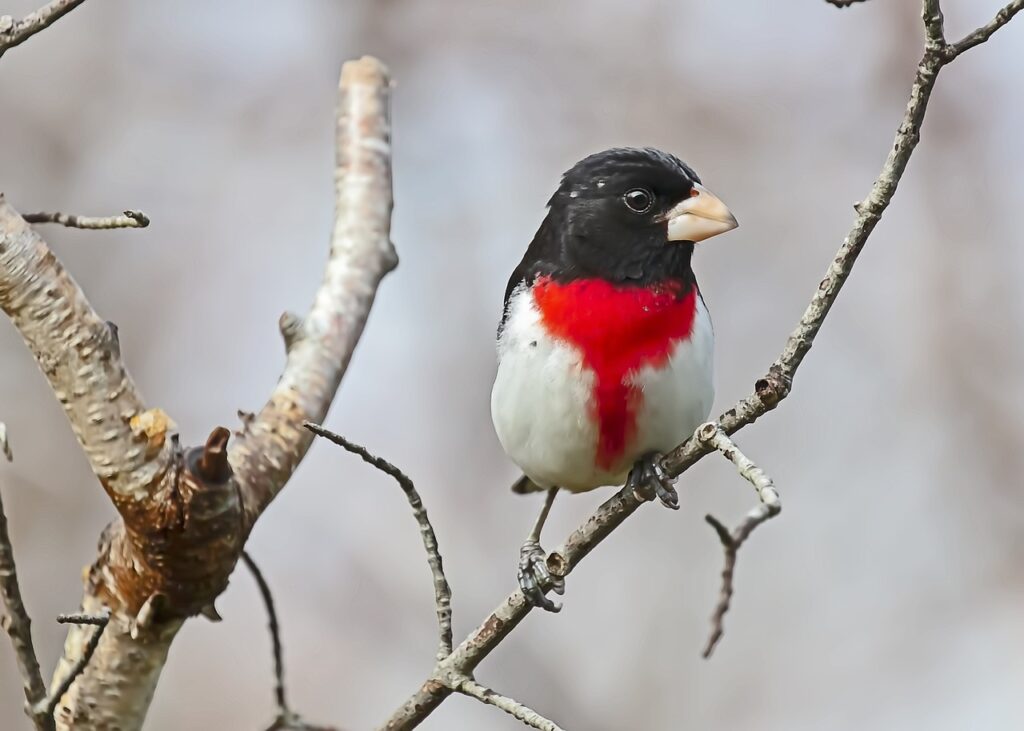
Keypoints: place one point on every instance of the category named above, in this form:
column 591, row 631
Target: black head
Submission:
column 627, row 215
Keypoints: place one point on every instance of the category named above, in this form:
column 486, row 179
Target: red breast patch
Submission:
column 619, row 330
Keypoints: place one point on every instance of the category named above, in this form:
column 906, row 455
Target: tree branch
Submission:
column 528, row 716
column 283, row 712
column 47, row 706
column 185, row 513
column 768, row 392
column 272, row 444
column 16, row 621
column 985, row 32
column 712, row 435
column 442, row 591
column 11, row 33
column 79, row 353
column 129, row 219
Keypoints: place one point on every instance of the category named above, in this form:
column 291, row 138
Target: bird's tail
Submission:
column 525, row 485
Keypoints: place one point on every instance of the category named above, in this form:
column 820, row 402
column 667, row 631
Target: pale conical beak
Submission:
column 699, row 217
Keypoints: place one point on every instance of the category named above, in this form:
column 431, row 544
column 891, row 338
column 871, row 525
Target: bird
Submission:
column 605, row 345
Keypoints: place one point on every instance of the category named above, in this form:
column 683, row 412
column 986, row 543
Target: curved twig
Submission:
column 442, row 591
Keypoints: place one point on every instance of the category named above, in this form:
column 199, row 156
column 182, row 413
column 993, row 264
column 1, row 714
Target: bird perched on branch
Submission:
column 605, row 344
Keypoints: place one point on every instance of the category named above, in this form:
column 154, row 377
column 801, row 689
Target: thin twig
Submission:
column 96, row 620
column 129, row 219
column 15, row 619
column 712, row 435
column 442, row 591
column 528, row 716
column 769, row 391
column 11, row 33
column 731, row 543
column 275, row 635
column 47, row 705
column 985, row 32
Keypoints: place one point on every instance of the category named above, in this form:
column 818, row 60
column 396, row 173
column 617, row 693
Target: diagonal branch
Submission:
column 80, row 355
column 768, row 392
column 528, row 716
column 442, row 592
column 48, row 705
column 11, row 33
column 129, row 219
column 985, row 32
column 319, row 347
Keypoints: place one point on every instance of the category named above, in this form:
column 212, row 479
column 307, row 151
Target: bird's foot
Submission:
column 535, row 579
column 647, row 474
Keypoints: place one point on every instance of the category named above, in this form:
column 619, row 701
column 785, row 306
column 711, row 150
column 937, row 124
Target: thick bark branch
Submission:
column 80, row 356
column 768, row 392
column 185, row 514
column 12, row 33
column 271, row 444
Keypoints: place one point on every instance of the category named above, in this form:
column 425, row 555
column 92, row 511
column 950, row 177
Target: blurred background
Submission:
column 889, row 593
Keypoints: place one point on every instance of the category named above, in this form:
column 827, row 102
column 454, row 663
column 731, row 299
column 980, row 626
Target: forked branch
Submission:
column 712, row 435
column 768, row 390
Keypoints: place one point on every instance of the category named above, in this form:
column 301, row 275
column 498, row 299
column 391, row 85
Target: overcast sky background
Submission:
column 889, row 593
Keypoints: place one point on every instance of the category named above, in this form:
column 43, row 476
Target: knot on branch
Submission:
column 153, row 426
column 773, row 387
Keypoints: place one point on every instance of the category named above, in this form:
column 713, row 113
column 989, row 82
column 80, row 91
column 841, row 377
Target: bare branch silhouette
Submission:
column 769, row 391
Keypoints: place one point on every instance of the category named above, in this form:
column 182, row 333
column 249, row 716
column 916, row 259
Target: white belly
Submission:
column 541, row 401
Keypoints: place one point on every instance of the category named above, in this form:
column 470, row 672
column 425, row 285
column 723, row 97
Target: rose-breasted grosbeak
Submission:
column 605, row 344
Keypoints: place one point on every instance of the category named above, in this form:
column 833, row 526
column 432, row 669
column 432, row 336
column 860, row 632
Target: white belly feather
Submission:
column 541, row 401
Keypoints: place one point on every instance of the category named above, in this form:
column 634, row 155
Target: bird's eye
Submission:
column 638, row 200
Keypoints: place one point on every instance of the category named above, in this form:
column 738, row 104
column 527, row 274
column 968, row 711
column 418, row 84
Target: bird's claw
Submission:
column 648, row 473
column 535, row 579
